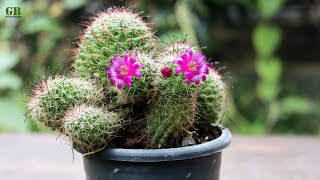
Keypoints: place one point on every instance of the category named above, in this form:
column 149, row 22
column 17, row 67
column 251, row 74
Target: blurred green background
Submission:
column 271, row 51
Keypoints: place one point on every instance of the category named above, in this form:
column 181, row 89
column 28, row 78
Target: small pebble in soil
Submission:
column 188, row 141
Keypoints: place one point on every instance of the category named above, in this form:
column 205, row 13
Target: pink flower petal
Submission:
column 189, row 75
column 138, row 74
column 187, row 81
column 178, row 70
column 128, row 84
column 120, row 83
column 190, row 53
column 133, row 60
column 137, row 66
column 113, row 82
column 198, row 55
column 196, row 80
column 183, row 56
column 126, row 57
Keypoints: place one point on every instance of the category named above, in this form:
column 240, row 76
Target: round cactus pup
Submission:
column 90, row 128
column 53, row 96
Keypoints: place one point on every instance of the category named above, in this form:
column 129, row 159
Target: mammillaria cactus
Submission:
column 108, row 34
column 122, row 84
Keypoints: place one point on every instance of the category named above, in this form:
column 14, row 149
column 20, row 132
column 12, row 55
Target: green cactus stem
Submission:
column 173, row 114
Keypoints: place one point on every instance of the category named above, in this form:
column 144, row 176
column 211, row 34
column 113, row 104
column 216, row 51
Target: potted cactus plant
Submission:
column 137, row 109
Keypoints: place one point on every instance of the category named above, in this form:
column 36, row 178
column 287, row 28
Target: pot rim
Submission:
column 169, row 154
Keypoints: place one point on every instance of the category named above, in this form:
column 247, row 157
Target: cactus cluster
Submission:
column 122, row 78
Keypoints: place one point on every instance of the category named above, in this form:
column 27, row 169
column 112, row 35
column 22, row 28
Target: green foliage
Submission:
column 269, row 8
column 266, row 39
column 12, row 114
column 292, row 105
column 74, row 4
column 8, row 79
column 8, row 60
column 90, row 128
column 186, row 19
column 269, row 70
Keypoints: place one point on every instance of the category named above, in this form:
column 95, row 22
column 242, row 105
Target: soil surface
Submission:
column 131, row 140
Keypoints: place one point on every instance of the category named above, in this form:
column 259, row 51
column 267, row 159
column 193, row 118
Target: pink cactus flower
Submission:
column 194, row 66
column 123, row 70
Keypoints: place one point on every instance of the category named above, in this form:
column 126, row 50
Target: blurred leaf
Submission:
column 41, row 22
column 10, row 80
column 12, row 115
column 5, row 33
column 73, row 4
column 186, row 19
column 267, row 91
column 47, row 41
column 269, row 70
column 266, row 39
column 8, row 60
column 269, row 8
column 295, row 105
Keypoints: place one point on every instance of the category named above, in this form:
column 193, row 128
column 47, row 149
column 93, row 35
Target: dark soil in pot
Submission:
column 131, row 139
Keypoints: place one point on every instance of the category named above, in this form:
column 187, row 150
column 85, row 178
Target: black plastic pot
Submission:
column 199, row 162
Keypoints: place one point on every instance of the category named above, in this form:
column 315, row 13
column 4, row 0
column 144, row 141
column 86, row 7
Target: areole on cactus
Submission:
column 118, row 69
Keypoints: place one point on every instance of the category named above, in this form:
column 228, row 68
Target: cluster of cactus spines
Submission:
column 175, row 86
column 90, row 128
column 53, row 96
column 110, row 33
